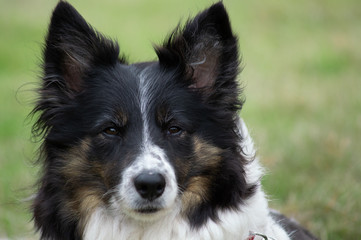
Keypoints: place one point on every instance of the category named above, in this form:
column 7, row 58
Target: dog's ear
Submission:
column 72, row 47
column 206, row 51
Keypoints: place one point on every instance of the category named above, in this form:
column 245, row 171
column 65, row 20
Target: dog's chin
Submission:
column 147, row 214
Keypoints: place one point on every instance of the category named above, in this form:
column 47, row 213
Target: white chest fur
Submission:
column 253, row 216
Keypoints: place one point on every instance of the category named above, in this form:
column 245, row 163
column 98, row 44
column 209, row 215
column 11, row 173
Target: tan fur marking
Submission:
column 75, row 160
column 206, row 158
column 196, row 192
column 82, row 199
column 122, row 118
column 89, row 200
column 206, row 154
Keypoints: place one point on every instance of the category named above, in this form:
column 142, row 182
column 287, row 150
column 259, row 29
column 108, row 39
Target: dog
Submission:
column 151, row 150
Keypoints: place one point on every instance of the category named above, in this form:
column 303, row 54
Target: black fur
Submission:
column 88, row 89
column 295, row 231
column 212, row 27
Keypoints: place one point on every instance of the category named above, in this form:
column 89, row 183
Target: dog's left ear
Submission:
column 72, row 49
column 206, row 51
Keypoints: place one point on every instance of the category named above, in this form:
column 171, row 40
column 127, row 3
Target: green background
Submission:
column 302, row 67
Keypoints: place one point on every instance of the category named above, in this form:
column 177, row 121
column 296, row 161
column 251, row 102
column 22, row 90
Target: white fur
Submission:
column 151, row 159
column 233, row 224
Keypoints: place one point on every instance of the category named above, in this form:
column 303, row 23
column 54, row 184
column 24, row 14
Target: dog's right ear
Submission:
column 72, row 47
column 205, row 51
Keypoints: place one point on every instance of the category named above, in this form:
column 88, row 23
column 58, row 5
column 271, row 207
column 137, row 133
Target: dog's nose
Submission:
column 149, row 185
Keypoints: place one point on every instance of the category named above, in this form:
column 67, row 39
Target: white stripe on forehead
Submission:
column 145, row 98
column 151, row 159
column 151, row 156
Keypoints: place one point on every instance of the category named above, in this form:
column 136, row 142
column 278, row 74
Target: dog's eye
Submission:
column 174, row 130
column 111, row 131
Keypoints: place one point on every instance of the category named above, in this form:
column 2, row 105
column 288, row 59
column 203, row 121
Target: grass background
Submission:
column 302, row 76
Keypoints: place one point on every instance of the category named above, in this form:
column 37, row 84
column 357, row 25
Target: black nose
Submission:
column 149, row 185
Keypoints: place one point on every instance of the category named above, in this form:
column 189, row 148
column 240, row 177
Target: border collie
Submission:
column 151, row 150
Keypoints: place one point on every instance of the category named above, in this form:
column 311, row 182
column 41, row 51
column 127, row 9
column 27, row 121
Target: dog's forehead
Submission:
column 149, row 75
column 136, row 90
column 140, row 66
column 151, row 81
column 128, row 79
column 128, row 88
column 124, row 82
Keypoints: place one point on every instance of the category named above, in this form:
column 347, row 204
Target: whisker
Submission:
column 109, row 192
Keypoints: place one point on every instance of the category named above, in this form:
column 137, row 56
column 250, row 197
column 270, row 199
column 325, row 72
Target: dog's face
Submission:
column 143, row 139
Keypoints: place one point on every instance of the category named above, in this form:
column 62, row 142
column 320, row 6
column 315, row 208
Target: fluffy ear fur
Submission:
column 72, row 47
column 207, row 52
column 71, row 50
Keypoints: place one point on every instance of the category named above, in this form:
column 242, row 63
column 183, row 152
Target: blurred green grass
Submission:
column 302, row 77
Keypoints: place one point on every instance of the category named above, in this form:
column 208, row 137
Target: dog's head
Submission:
column 141, row 139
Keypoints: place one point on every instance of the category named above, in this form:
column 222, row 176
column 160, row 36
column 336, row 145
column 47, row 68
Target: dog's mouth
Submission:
column 149, row 210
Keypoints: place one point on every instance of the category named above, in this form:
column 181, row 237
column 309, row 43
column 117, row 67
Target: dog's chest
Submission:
column 172, row 226
column 231, row 225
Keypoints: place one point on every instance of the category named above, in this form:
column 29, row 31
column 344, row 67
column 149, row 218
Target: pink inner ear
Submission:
column 205, row 72
column 73, row 77
column 73, row 70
